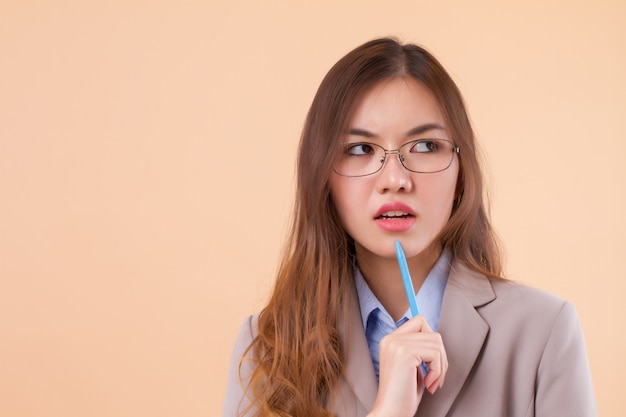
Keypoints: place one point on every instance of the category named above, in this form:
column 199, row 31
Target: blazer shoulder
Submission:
column 506, row 296
column 531, row 299
column 247, row 333
column 240, row 370
column 249, row 329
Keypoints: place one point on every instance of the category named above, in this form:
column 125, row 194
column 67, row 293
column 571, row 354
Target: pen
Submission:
column 406, row 279
column 408, row 287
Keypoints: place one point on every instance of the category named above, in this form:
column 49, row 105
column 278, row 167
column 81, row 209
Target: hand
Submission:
column 401, row 355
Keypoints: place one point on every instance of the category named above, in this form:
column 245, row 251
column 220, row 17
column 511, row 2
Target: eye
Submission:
column 358, row 149
column 425, row 146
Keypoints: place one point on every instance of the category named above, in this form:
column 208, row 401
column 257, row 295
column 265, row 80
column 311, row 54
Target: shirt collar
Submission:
column 429, row 297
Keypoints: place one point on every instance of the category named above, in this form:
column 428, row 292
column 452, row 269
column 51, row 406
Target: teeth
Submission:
column 395, row 214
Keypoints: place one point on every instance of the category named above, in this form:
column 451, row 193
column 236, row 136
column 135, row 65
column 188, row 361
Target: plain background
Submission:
column 146, row 175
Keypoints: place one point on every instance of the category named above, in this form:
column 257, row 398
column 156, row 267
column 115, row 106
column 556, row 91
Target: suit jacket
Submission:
column 513, row 351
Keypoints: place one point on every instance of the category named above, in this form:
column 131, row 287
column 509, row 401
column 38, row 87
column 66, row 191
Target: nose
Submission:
column 393, row 176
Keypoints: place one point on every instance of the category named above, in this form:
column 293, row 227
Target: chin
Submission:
column 416, row 248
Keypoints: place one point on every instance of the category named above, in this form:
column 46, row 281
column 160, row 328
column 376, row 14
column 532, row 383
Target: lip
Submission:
column 398, row 224
column 394, row 206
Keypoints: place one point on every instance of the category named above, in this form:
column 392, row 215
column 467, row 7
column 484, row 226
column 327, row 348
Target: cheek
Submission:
column 348, row 196
column 438, row 196
column 337, row 196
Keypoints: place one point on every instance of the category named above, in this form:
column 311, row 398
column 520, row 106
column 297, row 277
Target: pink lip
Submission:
column 399, row 224
column 394, row 206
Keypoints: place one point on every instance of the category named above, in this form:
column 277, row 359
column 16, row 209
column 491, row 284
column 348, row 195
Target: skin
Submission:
column 386, row 115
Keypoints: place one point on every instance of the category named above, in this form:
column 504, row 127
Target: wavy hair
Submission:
column 298, row 352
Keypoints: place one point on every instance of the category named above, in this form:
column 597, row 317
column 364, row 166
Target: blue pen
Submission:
column 408, row 287
column 406, row 279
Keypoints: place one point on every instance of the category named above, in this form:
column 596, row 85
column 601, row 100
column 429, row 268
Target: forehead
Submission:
column 401, row 103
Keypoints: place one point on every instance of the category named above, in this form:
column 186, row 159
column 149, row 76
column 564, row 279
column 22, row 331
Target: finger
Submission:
column 438, row 365
column 437, row 373
column 415, row 324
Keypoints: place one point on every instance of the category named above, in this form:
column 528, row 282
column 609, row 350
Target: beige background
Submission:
column 146, row 174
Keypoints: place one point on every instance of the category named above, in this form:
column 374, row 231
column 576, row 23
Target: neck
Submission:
column 385, row 279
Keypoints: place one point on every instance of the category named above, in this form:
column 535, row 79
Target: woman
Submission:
column 388, row 154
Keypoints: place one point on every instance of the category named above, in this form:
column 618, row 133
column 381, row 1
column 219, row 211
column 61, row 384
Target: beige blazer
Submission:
column 513, row 351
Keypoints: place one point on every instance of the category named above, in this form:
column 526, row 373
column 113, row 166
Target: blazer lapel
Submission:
column 463, row 332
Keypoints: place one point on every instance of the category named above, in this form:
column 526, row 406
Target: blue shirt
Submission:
column 377, row 322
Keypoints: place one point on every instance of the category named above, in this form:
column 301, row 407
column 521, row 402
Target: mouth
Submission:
column 395, row 217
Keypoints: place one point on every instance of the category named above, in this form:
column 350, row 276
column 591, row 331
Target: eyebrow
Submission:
column 413, row 132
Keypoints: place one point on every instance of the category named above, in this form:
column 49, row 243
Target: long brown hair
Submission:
column 298, row 352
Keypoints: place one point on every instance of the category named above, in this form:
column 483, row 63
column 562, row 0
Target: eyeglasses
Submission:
column 358, row 159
